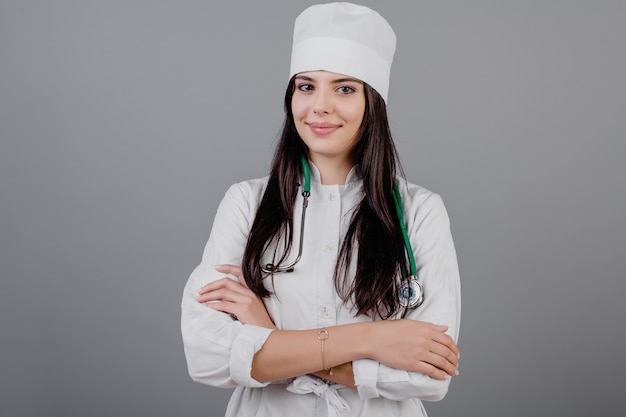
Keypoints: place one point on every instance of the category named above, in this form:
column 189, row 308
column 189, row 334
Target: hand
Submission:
column 416, row 346
column 235, row 298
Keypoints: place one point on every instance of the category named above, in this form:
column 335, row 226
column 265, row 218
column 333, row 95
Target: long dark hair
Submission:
column 374, row 230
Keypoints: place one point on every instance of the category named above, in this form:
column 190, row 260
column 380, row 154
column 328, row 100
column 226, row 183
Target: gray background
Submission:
column 123, row 122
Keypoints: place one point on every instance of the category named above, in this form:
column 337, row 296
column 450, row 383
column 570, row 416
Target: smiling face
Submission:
column 328, row 110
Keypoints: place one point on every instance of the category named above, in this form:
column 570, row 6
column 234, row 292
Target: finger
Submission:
column 244, row 309
column 449, row 351
column 222, row 294
column 229, row 269
column 431, row 371
column 438, row 328
column 232, row 270
column 444, row 346
column 442, row 363
column 449, row 355
column 235, row 294
column 222, row 283
column 445, row 340
column 224, row 307
column 446, row 361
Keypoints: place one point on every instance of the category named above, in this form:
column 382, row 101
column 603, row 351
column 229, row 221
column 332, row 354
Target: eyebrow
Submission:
column 335, row 81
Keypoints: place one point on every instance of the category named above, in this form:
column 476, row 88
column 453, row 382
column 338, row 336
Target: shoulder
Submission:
column 244, row 196
column 248, row 190
column 421, row 203
column 413, row 194
column 239, row 205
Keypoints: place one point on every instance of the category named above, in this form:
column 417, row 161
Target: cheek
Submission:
column 357, row 114
column 358, row 117
column 298, row 108
column 356, row 110
column 297, row 114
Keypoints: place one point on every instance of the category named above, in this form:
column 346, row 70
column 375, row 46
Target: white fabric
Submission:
column 347, row 39
column 219, row 350
column 307, row 384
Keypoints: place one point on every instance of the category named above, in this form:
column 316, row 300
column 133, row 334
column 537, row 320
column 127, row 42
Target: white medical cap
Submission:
column 347, row 39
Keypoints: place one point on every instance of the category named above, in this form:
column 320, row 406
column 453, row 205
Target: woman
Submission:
column 311, row 308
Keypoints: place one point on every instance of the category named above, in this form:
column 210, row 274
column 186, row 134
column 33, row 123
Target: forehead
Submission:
column 326, row 76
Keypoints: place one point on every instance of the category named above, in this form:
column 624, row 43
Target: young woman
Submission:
column 331, row 286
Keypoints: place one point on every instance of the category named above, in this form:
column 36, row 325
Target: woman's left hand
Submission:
column 235, row 298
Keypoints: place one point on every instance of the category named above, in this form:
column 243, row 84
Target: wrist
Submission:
column 343, row 374
column 366, row 340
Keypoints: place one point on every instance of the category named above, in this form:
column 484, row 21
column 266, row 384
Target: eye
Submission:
column 305, row 87
column 346, row 89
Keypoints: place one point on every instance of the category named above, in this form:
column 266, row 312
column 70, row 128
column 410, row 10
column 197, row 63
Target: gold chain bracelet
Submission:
column 323, row 335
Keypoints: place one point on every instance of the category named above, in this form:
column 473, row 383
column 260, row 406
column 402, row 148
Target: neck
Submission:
column 333, row 171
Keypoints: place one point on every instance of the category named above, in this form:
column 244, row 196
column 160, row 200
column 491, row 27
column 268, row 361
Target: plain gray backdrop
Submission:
column 122, row 123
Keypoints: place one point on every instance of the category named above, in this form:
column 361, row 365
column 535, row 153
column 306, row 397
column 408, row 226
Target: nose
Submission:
column 323, row 102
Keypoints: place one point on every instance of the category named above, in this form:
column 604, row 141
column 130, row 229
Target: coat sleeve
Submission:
column 218, row 349
column 437, row 268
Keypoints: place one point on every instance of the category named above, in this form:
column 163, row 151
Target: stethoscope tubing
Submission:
column 411, row 293
column 306, row 193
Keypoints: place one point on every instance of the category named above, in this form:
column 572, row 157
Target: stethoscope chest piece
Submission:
column 411, row 294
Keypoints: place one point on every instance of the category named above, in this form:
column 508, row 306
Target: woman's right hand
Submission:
column 415, row 346
column 235, row 298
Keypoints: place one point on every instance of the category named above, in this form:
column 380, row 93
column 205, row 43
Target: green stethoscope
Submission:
column 410, row 294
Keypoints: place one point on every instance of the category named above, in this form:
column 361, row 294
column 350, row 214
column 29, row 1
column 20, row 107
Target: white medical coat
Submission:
column 219, row 350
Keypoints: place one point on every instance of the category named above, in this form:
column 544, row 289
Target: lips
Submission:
column 321, row 129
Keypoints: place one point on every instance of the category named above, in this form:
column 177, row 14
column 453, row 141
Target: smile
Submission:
column 321, row 129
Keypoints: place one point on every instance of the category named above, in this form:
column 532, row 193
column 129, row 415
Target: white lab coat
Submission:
column 219, row 350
